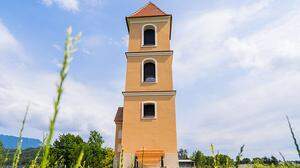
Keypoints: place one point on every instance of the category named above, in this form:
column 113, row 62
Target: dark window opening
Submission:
column 149, row 110
column 136, row 163
column 149, row 36
column 149, row 72
column 162, row 161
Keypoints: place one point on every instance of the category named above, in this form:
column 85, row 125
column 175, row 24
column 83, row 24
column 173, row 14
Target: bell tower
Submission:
column 146, row 125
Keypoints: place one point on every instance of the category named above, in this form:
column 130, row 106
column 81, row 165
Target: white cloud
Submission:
column 199, row 45
column 69, row 5
column 243, row 63
column 279, row 41
column 73, row 5
column 8, row 44
column 84, row 107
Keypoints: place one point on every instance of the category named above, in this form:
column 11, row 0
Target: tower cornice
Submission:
column 149, row 53
column 149, row 93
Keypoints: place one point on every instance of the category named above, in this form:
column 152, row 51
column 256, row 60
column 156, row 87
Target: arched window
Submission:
column 149, row 71
column 149, row 110
column 149, row 35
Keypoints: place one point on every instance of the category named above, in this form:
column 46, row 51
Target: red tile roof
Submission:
column 148, row 10
column 119, row 115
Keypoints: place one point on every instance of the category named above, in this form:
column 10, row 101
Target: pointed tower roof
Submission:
column 149, row 9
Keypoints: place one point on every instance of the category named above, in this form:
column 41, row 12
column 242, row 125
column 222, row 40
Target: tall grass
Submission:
column 239, row 156
column 18, row 152
column 70, row 48
column 293, row 136
column 33, row 163
column 121, row 158
column 215, row 157
column 78, row 163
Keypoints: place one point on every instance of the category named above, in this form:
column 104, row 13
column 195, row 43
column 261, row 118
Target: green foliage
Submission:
column 245, row 161
column 96, row 155
column 182, row 154
column 224, row 161
column 66, row 150
column 216, row 160
column 33, row 163
column 201, row 160
column 25, row 158
column 1, row 154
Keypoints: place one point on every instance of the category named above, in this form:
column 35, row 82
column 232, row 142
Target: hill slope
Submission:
column 10, row 142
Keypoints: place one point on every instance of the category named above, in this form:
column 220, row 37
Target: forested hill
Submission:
column 10, row 142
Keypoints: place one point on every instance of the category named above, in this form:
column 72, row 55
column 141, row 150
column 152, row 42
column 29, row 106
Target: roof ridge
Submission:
column 156, row 7
column 150, row 9
column 141, row 8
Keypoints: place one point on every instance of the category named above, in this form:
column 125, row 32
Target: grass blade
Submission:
column 78, row 163
column 283, row 158
column 238, row 157
column 68, row 51
column 18, row 151
column 33, row 163
column 294, row 137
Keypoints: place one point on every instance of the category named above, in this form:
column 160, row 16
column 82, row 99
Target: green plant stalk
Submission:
column 18, row 151
column 69, row 50
column 5, row 159
column 121, row 158
column 33, row 163
column 238, row 157
column 212, row 148
column 132, row 162
column 143, row 157
column 283, row 158
column 294, row 137
column 78, row 163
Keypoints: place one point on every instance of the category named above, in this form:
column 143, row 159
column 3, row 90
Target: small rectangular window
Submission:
column 149, row 110
column 120, row 134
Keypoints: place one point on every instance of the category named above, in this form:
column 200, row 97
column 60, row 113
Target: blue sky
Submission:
column 236, row 69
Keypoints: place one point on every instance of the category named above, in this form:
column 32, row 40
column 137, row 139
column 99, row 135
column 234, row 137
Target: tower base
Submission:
column 170, row 160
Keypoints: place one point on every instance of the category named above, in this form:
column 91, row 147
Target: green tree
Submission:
column 274, row 160
column 96, row 155
column 257, row 160
column 201, row 160
column 66, row 150
column 224, row 160
column 1, row 154
column 183, row 154
column 246, row 161
column 109, row 158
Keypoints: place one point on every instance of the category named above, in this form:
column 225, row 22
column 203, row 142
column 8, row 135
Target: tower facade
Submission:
column 146, row 125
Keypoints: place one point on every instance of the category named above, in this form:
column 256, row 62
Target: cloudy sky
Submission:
column 236, row 69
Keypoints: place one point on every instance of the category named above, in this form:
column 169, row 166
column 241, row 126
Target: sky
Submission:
column 236, row 70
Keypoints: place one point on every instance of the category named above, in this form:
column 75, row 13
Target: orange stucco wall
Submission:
column 159, row 133
column 163, row 34
column 134, row 74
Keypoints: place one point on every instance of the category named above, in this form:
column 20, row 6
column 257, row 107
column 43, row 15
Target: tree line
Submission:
column 202, row 161
column 65, row 151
